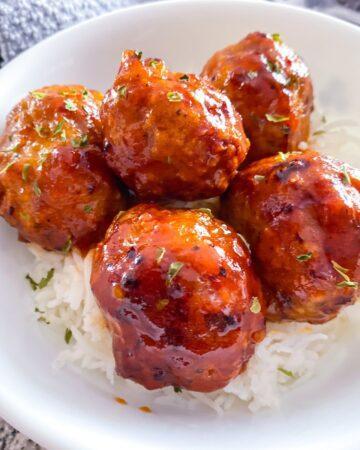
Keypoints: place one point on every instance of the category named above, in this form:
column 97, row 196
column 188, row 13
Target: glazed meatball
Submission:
column 180, row 297
column 270, row 86
column 301, row 215
column 55, row 187
column 170, row 135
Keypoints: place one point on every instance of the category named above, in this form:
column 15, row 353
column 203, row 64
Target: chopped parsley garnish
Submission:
column 276, row 118
column 252, row 74
column 37, row 310
column 67, row 247
column 276, row 37
column 318, row 132
column 259, row 178
column 273, row 66
column 63, row 136
column 58, row 128
column 153, row 63
column 88, row 208
column 80, row 142
column 138, row 54
column 36, row 189
column 70, row 105
column 38, row 95
column 349, row 284
column 304, row 257
column 206, row 211
column 174, row 96
column 184, row 77
column 122, row 91
column 177, row 389
column 39, row 130
column 342, row 271
column 5, row 169
column 42, row 283
column 345, row 178
column 85, row 93
column 44, row 320
column 174, row 269
column 255, row 306
column 161, row 304
column 25, row 171
column 160, row 252
column 68, row 335
column 288, row 373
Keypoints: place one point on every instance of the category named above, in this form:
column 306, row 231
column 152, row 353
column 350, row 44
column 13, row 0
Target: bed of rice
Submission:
column 287, row 357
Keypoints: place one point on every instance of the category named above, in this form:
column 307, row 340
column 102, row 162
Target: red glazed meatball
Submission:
column 55, row 187
column 270, row 86
column 301, row 216
column 170, row 135
column 180, row 297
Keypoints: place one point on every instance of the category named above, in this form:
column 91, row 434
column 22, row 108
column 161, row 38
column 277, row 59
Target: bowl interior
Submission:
column 63, row 409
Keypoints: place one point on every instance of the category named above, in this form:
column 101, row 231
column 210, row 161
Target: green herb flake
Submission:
column 174, row 96
column 174, row 269
column 349, row 284
column 276, row 118
column 39, row 130
column 38, row 95
column 288, row 373
column 44, row 320
column 274, row 66
column 184, row 77
column 68, row 335
column 7, row 167
column 304, row 257
column 160, row 252
column 138, row 54
column 85, row 93
column 25, row 171
column 161, row 304
column 342, row 271
column 259, row 178
column 80, row 142
column 67, row 247
column 345, row 176
column 283, row 156
column 37, row 310
column 255, row 306
column 45, row 280
column 177, row 389
column 206, row 211
column 318, row 132
column 88, row 209
column 42, row 283
column 36, row 189
column 252, row 74
column 58, row 128
column 70, row 105
column 154, row 63
column 63, row 136
column 32, row 282
column 276, row 37
column 122, row 91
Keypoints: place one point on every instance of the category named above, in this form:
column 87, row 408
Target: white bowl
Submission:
column 64, row 410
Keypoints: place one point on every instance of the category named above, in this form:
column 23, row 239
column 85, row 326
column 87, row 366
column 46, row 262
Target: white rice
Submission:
column 287, row 357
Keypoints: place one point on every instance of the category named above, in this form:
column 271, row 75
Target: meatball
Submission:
column 301, row 214
column 180, row 297
column 55, row 186
column 270, row 86
column 170, row 135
